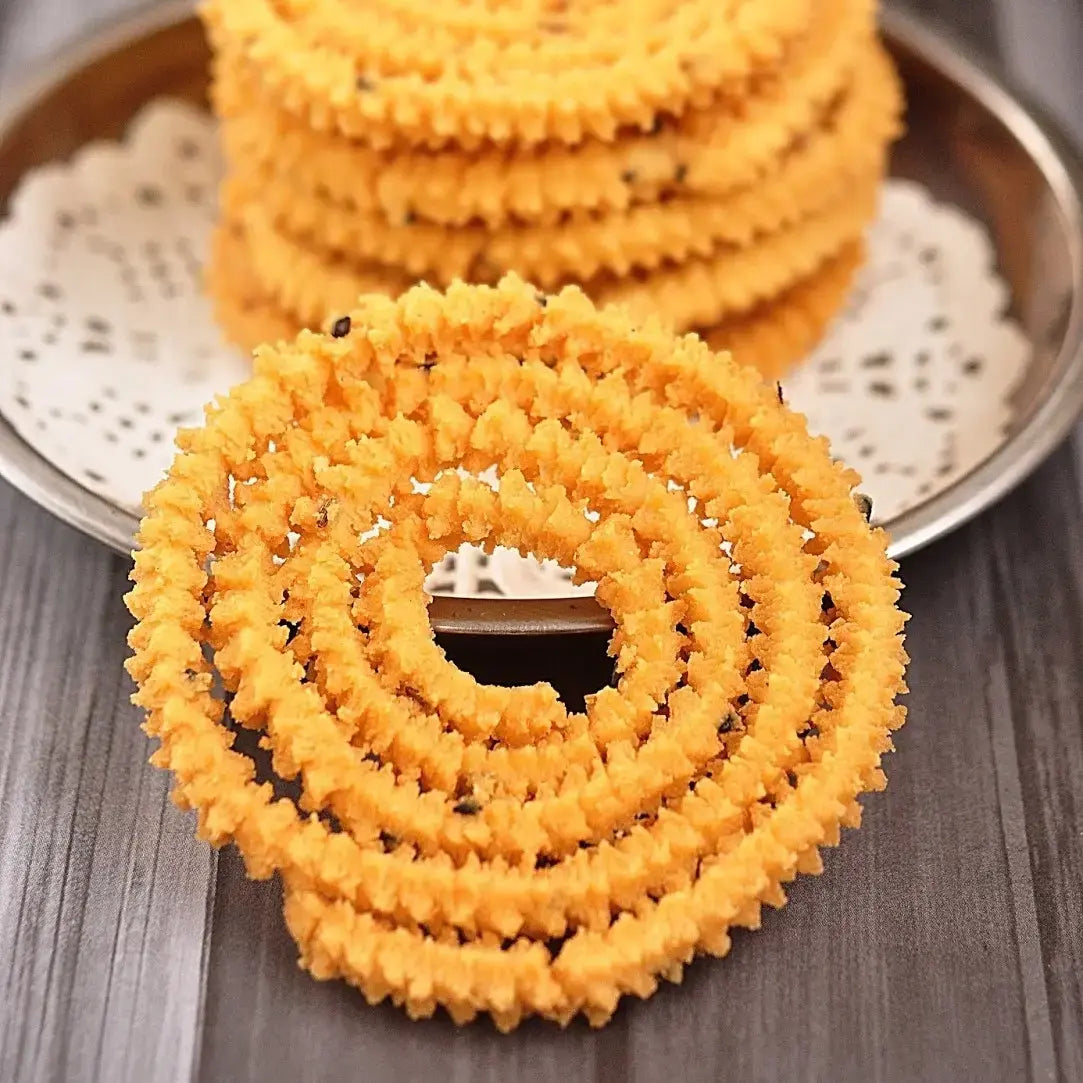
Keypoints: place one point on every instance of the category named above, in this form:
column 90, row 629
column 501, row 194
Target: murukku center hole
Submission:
column 575, row 665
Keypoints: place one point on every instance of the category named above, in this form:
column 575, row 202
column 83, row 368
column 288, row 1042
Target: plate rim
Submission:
column 1043, row 138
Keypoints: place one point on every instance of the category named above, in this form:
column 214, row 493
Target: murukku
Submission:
column 310, row 284
column 780, row 333
column 484, row 849
column 849, row 153
column 708, row 152
column 523, row 73
column 242, row 309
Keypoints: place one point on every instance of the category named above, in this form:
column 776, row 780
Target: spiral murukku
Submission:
column 849, row 153
column 523, row 73
column 311, row 284
column 778, row 334
column 244, row 312
column 484, row 849
column 708, row 153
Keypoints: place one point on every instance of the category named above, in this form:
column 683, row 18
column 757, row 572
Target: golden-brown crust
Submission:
column 780, row 333
column 666, row 818
column 847, row 153
column 312, row 285
column 381, row 78
column 714, row 151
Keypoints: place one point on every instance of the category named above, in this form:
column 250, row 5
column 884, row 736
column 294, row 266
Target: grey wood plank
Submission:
column 1042, row 642
column 105, row 890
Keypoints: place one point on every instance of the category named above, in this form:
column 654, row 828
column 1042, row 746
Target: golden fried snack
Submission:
column 774, row 337
column 849, row 153
column 523, row 72
column 780, row 333
column 483, row 849
column 243, row 311
column 707, row 152
column 311, row 285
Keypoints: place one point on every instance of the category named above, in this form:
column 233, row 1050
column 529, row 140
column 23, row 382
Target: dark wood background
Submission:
column 944, row 942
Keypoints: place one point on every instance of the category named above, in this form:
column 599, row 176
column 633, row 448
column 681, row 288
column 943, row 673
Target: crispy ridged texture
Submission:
column 513, row 77
column 311, row 285
column 848, row 153
column 479, row 848
column 772, row 339
column 780, row 333
column 244, row 312
column 713, row 151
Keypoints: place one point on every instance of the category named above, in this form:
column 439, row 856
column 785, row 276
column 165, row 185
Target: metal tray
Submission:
column 970, row 140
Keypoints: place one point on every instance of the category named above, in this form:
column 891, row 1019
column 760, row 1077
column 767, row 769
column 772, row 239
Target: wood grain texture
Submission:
column 943, row 942
column 105, row 891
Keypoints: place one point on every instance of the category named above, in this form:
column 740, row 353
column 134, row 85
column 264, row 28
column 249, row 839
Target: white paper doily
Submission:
column 107, row 343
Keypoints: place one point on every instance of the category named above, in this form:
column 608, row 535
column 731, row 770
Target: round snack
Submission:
column 242, row 309
column 774, row 337
column 779, row 334
column 707, row 152
column 394, row 72
column 311, row 284
column 848, row 152
column 480, row 848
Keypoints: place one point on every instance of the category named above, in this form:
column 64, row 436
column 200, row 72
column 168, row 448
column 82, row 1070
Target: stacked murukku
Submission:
column 484, row 849
column 712, row 162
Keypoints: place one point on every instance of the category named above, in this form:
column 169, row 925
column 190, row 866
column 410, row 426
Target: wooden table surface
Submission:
column 944, row 942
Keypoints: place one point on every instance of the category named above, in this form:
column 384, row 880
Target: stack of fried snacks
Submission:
column 482, row 848
column 713, row 162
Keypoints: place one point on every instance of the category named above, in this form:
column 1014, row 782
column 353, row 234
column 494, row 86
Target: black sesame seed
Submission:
column 541, row 299
column 811, row 730
column 864, row 505
column 545, row 861
column 778, row 391
column 370, row 757
column 341, row 327
column 468, row 806
column 728, row 724
column 389, row 841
